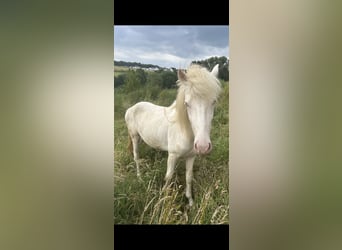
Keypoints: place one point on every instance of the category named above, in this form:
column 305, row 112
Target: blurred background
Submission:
column 285, row 125
column 56, row 94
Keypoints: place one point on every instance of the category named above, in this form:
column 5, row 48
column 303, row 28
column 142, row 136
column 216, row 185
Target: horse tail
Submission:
column 130, row 145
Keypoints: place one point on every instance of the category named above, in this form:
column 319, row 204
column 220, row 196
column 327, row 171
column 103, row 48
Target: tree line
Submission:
column 138, row 78
column 134, row 64
column 165, row 79
column 212, row 61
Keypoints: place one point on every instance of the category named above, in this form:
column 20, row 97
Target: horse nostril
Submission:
column 208, row 148
column 196, row 146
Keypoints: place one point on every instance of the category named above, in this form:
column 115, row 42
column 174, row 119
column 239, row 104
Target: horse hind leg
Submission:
column 135, row 141
column 130, row 145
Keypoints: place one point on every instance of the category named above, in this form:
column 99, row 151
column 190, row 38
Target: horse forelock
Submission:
column 200, row 82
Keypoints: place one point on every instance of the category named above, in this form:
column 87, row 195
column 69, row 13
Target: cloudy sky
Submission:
column 169, row 46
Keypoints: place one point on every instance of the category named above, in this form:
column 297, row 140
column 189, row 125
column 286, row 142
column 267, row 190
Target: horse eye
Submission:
column 214, row 102
column 187, row 104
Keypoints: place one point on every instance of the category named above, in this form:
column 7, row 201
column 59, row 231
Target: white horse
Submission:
column 182, row 129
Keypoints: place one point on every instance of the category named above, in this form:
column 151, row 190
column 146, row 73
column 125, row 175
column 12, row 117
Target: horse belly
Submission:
column 155, row 134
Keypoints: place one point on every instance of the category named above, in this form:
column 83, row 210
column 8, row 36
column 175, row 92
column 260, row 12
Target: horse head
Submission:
column 200, row 91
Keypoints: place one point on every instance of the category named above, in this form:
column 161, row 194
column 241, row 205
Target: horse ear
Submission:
column 214, row 71
column 181, row 75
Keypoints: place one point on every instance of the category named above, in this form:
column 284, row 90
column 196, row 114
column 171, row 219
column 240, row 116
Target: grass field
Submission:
column 142, row 201
column 118, row 70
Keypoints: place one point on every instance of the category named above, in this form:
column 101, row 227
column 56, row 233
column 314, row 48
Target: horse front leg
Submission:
column 171, row 163
column 189, row 176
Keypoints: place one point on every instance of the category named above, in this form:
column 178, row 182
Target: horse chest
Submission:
column 180, row 143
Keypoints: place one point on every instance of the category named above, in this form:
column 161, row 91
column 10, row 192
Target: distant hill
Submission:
column 135, row 64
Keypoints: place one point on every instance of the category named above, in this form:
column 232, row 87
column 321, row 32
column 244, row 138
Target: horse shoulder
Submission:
column 178, row 141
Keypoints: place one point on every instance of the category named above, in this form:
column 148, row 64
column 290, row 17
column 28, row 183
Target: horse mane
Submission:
column 181, row 114
column 197, row 81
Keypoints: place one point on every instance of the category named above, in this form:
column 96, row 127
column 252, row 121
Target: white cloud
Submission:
column 169, row 46
column 158, row 56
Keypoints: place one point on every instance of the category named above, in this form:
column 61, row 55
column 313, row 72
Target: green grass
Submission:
column 143, row 202
column 117, row 73
column 119, row 70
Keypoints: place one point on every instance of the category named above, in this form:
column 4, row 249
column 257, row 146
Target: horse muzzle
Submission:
column 203, row 148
